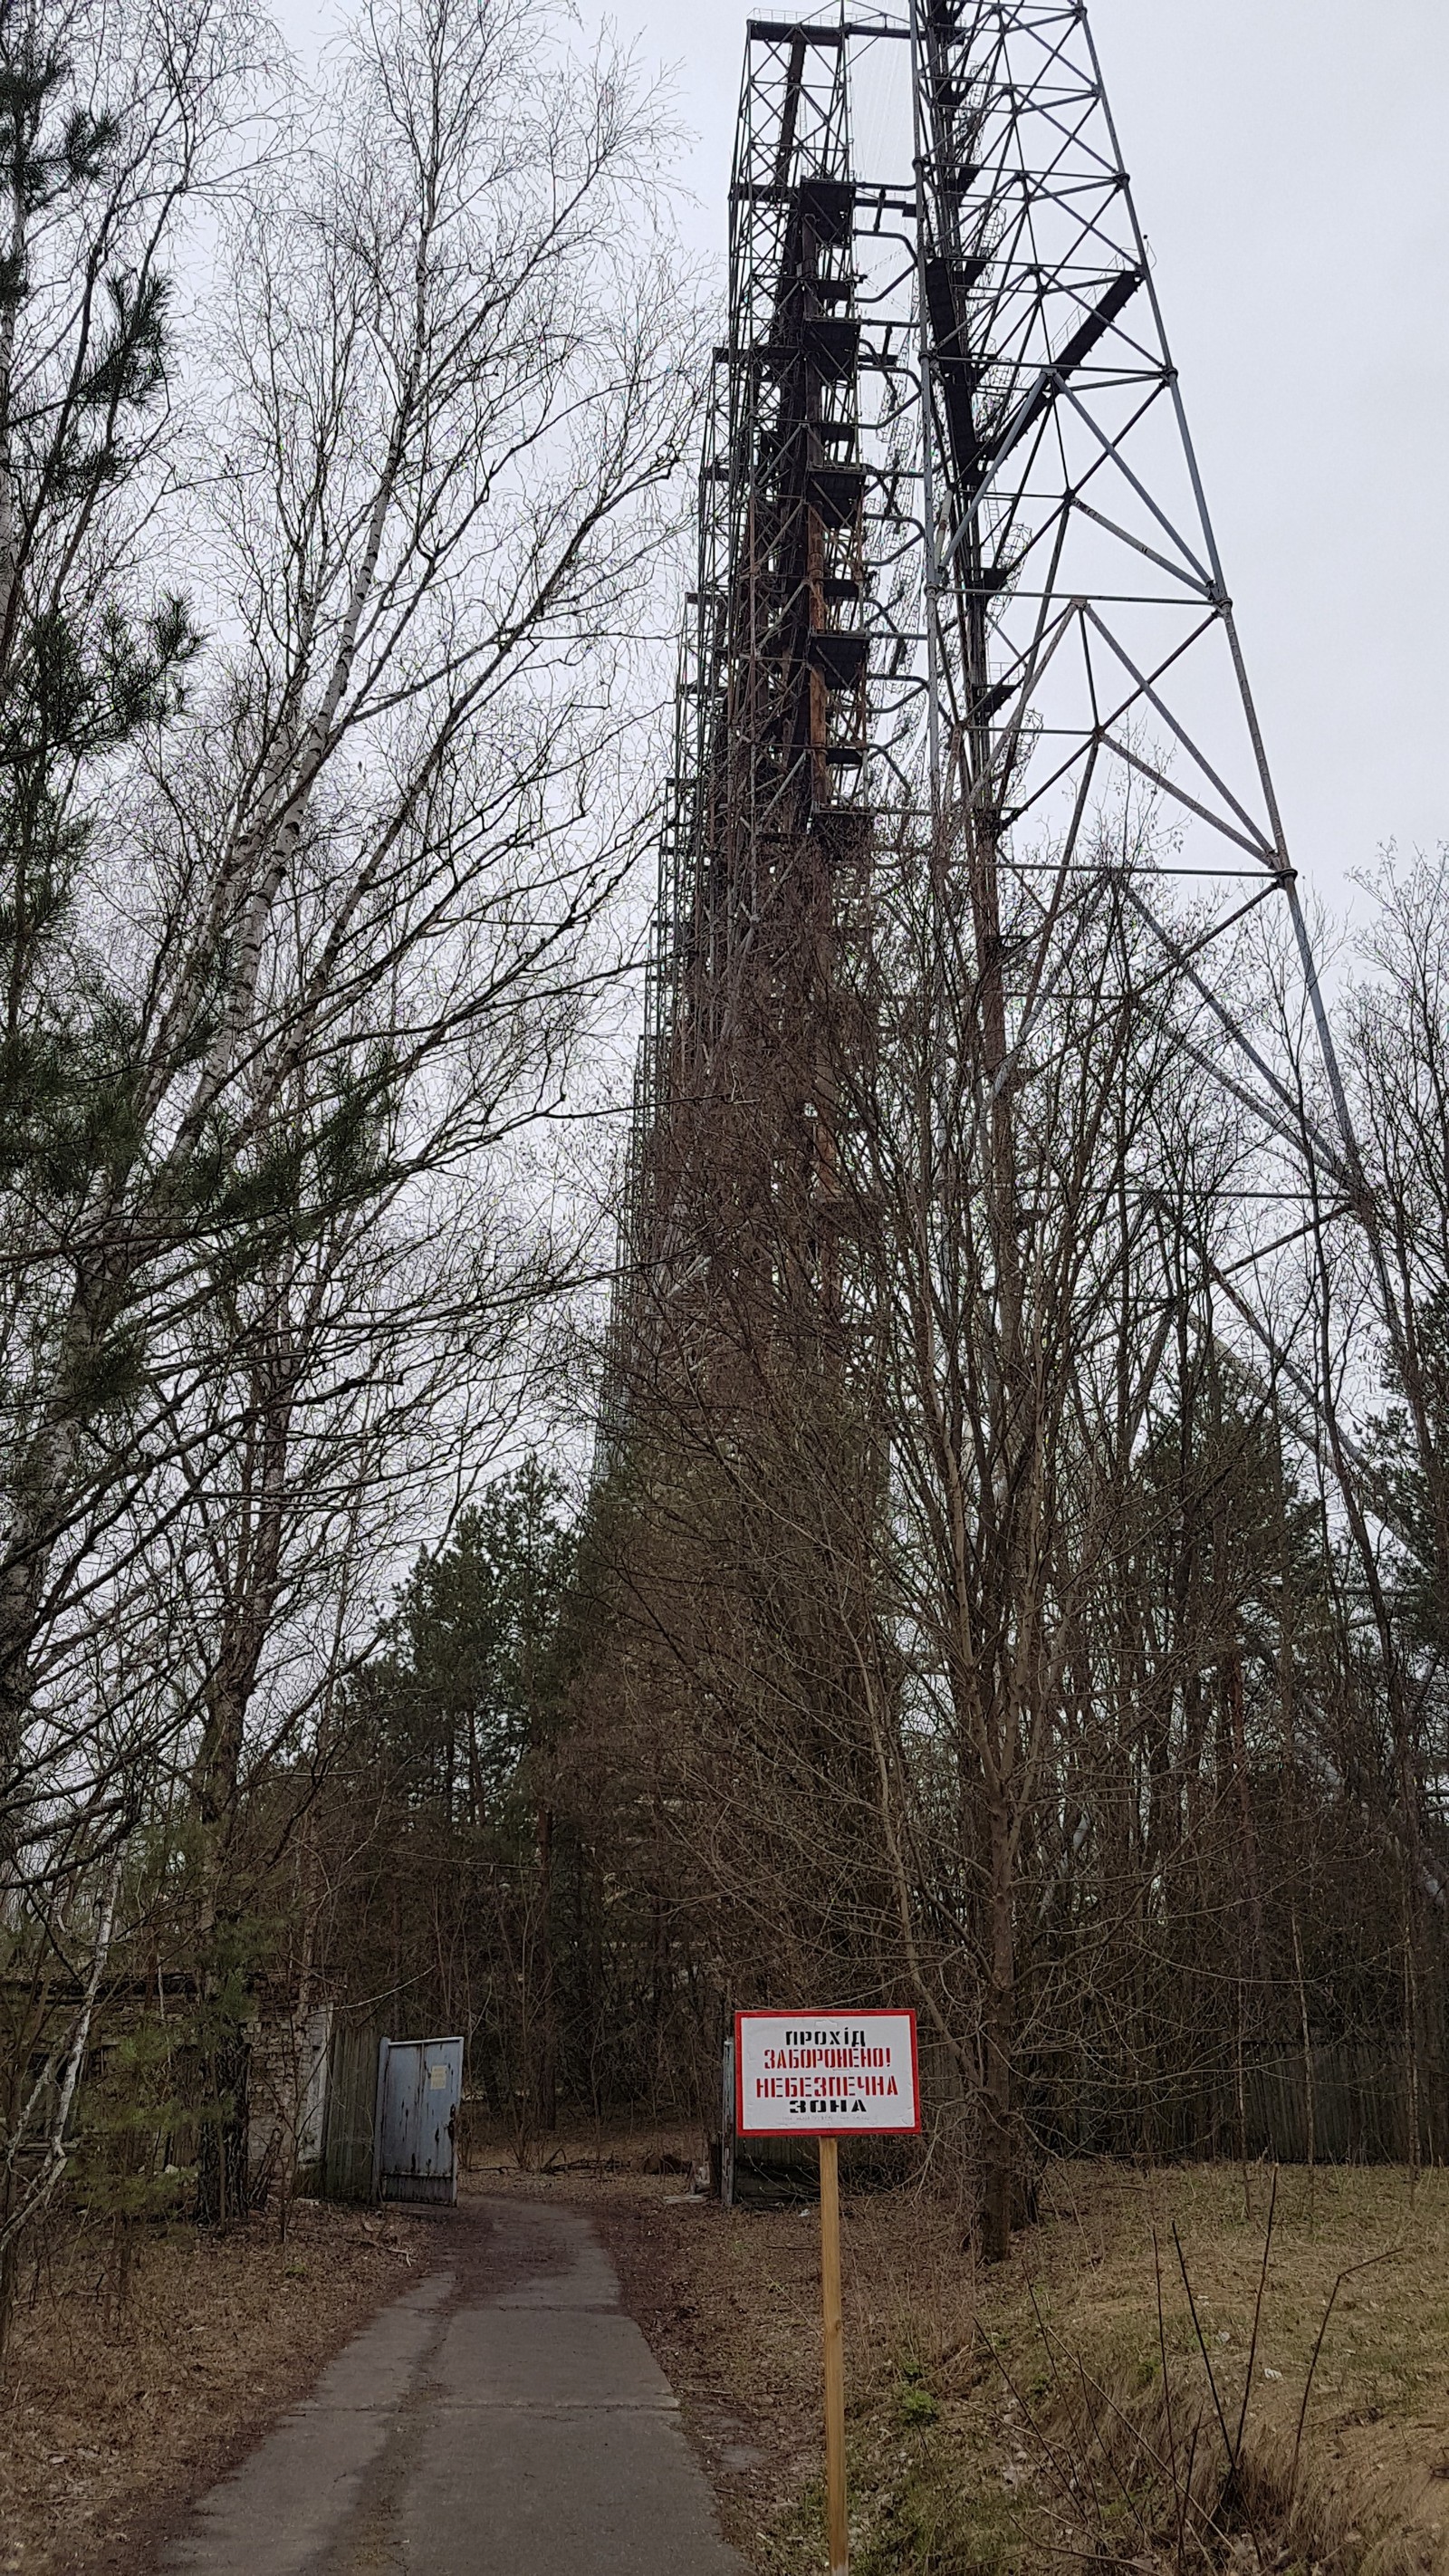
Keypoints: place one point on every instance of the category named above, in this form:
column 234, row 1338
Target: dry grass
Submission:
column 112, row 2420
column 1017, row 2419
column 1013, row 2420
column 1075, row 2326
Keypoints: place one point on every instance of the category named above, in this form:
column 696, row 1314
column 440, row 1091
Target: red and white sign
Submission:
column 841, row 2074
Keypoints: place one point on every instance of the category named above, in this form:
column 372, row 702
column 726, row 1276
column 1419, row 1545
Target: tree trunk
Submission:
column 998, row 2161
column 548, row 1983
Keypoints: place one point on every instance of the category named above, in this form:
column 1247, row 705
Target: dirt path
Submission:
column 503, row 2417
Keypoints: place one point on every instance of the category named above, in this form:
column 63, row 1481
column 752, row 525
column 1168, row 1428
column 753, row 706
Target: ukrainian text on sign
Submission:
column 852, row 2074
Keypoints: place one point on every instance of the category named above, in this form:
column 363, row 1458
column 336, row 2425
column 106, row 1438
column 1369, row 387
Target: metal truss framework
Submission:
column 955, row 562
column 766, row 824
column 1081, row 632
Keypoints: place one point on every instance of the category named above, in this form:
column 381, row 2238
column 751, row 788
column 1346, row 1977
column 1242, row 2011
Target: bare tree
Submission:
column 333, row 936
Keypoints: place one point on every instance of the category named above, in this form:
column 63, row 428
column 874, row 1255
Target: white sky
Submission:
column 1290, row 160
column 1291, row 165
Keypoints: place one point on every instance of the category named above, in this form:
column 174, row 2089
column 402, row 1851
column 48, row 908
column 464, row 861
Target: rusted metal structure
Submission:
column 957, row 579
column 767, row 838
column 419, row 2090
column 1080, row 630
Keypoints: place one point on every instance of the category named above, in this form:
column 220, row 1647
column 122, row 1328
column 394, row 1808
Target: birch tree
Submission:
column 329, row 885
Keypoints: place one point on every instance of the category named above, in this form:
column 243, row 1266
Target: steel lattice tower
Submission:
column 957, row 576
column 1081, row 633
column 767, row 826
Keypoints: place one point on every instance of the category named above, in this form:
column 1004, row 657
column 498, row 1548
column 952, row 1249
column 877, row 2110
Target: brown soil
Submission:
column 968, row 2392
column 112, row 2421
column 730, row 2302
column 964, row 2388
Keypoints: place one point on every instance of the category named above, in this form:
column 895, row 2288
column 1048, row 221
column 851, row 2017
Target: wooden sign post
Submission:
column 828, row 2076
column 837, row 2528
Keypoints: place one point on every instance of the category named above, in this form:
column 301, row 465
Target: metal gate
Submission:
column 419, row 2085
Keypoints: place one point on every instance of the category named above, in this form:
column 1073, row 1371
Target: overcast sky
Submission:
column 1290, row 165
column 1291, row 171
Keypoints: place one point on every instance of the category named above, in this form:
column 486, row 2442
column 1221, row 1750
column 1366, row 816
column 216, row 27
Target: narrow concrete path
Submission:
column 504, row 2418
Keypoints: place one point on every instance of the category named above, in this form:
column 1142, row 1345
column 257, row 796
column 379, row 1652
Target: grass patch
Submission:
column 1017, row 2419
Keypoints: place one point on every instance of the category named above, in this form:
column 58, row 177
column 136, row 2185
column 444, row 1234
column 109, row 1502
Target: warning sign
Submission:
column 843, row 2074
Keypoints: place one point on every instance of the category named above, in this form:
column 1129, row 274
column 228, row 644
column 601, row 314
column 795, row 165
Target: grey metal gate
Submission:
column 419, row 2086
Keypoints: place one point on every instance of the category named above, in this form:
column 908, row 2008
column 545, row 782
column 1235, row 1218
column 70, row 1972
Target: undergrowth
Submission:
column 1142, row 2446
